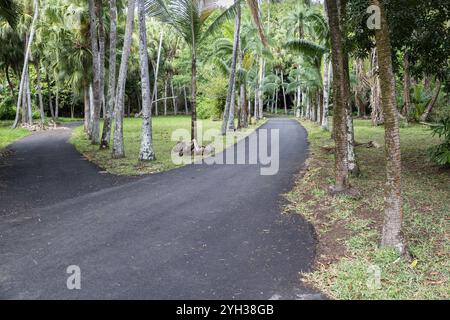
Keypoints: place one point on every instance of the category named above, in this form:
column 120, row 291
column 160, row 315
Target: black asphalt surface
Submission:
column 198, row 232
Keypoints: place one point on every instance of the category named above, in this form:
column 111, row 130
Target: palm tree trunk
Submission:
column 57, row 100
column 146, row 152
column 28, row 99
column 26, row 58
column 260, row 92
column 106, row 134
column 284, row 92
column 406, row 85
column 118, row 147
column 339, row 98
column 185, row 101
column 49, row 95
column 228, row 115
column 431, row 104
column 165, row 97
column 155, row 86
column 375, row 97
column 174, row 98
column 194, row 96
column 95, row 119
column 326, row 91
column 39, row 92
column 393, row 214
column 86, row 106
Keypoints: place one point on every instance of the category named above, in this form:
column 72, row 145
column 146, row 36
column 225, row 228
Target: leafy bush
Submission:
column 441, row 153
column 211, row 100
column 7, row 108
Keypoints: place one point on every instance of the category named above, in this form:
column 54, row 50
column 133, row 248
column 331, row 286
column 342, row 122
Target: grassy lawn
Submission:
column 162, row 132
column 349, row 227
column 8, row 135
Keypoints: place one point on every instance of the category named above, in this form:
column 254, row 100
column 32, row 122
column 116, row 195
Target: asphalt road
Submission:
column 198, row 232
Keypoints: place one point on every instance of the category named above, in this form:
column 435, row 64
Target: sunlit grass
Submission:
column 163, row 127
column 8, row 135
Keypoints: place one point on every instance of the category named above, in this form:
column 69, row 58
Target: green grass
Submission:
column 349, row 228
column 8, row 135
column 162, row 143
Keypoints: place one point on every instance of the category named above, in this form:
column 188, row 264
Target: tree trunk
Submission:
column 86, row 106
column 194, row 95
column 228, row 115
column 339, row 98
column 431, row 104
column 393, row 214
column 95, row 119
column 39, row 92
column 26, row 58
column 155, row 86
column 118, row 147
column 28, row 99
column 284, row 93
column 165, row 97
column 260, row 92
column 375, row 96
column 91, row 108
column 174, row 98
column 146, row 152
column 57, row 101
column 326, row 93
column 106, row 134
column 185, row 101
column 406, row 85
column 49, row 95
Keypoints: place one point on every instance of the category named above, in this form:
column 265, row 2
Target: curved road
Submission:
column 198, row 232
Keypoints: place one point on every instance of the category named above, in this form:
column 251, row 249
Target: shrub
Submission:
column 441, row 153
column 7, row 108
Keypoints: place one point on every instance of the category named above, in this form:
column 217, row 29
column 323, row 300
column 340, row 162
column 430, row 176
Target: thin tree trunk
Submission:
column 260, row 92
column 86, row 106
column 50, row 98
column 326, row 92
column 28, row 99
column 146, row 152
column 393, row 212
column 340, row 98
column 174, row 98
column 57, row 100
column 194, row 95
column 228, row 115
column 26, row 58
column 406, row 85
column 39, row 92
column 95, row 118
column 185, row 101
column 91, row 108
column 284, row 93
column 155, row 86
column 375, row 95
column 431, row 104
column 165, row 97
column 118, row 147
column 106, row 134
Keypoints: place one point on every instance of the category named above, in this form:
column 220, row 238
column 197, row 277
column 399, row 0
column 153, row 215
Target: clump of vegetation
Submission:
column 441, row 153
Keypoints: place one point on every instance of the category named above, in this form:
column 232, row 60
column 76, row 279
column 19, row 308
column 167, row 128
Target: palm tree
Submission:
column 189, row 18
column 118, row 150
column 228, row 116
column 339, row 99
column 393, row 211
column 106, row 134
column 24, row 80
column 10, row 11
column 146, row 152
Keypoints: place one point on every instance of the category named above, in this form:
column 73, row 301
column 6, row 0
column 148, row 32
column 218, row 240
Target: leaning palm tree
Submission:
column 189, row 19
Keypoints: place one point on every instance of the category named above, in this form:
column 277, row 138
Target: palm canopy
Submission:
column 10, row 11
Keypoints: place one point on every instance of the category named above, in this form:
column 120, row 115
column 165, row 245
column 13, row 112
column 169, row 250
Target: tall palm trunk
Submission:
column 375, row 97
column 39, row 92
column 95, row 119
column 284, row 92
column 106, row 134
column 174, row 98
column 228, row 116
column 326, row 91
column 25, row 63
column 339, row 98
column 393, row 214
column 118, row 147
column 155, row 86
column 260, row 91
column 49, row 96
column 406, row 85
column 86, row 106
column 165, row 97
column 146, row 152
column 194, row 95
column 185, row 101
